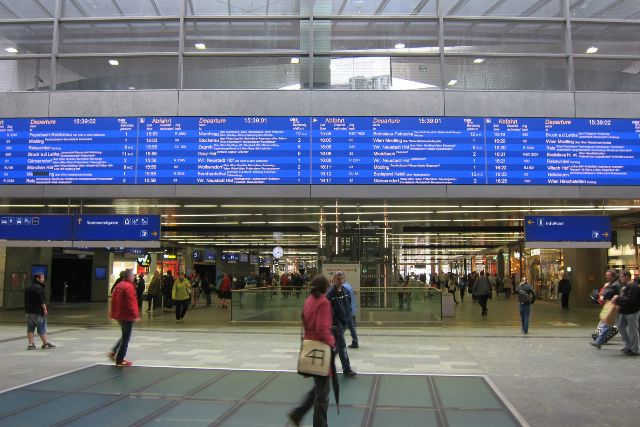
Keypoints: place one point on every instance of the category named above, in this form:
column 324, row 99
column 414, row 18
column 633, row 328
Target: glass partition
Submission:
column 389, row 305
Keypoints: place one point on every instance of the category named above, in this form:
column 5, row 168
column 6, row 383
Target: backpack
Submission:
column 524, row 297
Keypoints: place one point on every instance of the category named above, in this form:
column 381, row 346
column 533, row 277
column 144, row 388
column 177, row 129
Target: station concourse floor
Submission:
column 470, row 371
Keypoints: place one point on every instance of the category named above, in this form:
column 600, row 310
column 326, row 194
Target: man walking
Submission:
column 564, row 288
column 36, row 310
column 526, row 298
column 124, row 309
column 341, row 310
column 629, row 302
column 482, row 290
column 352, row 297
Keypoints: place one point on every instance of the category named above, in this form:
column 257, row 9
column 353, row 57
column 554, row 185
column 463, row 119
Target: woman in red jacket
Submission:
column 124, row 309
column 317, row 320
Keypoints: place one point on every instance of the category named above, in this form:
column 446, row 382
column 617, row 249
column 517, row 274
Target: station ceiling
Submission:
column 450, row 228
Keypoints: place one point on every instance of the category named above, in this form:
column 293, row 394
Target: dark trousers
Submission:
column 318, row 397
column 207, row 296
column 507, row 293
column 462, row 292
column 168, row 302
column 352, row 331
column 482, row 300
column 341, row 346
column 152, row 302
column 181, row 308
column 565, row 300
column 120, row 349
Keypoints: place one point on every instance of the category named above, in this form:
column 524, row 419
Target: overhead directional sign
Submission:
column 34, row 228
column 567, row 231
column 140, row 231
column 121, row 228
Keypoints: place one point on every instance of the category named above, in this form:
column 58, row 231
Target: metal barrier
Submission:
column 391, row 305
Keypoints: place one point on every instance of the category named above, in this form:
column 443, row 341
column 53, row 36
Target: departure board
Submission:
column 398, row 150
column 223, row 150
column 304, row 150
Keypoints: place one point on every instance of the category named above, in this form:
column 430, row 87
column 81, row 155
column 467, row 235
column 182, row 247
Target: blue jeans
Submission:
column 628, row 326
column 341, row 345
column 123, row 343
column 525, row 311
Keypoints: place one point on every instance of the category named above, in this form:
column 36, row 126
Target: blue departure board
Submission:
column 320, row 150
column 397, row 150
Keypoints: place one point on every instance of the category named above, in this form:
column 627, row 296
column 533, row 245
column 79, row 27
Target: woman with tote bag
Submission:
column 317, row 321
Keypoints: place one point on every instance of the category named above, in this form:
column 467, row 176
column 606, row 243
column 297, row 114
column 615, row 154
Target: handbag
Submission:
column 314, row 358
column 609, row 313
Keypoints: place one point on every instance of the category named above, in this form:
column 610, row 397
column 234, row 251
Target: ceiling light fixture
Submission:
column 11, row 50
column 295, row 60
column 478, row 60
column 201, row 46
column 114, row 62
column 452, row 82
column 592, row 50
column 399, row 46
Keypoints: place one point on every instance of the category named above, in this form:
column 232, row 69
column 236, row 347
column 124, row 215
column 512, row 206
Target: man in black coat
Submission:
column 564, row 288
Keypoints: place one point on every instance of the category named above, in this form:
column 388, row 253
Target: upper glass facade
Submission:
column 583, row 45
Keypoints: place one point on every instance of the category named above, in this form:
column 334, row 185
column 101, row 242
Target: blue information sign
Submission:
column 591, row 229
column 36, row 227
column 141, row 228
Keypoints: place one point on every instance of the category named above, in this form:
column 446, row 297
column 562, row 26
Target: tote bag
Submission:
column 609, row 313
column 314, row 358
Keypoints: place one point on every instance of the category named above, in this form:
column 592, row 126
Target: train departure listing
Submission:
column 335, row 150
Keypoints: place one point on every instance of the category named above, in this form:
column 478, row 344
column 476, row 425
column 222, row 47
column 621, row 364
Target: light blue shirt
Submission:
column 348, row 287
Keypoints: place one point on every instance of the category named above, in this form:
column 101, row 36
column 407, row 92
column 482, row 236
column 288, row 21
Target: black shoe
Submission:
column 349, row 373
column 632, row 353
column 598, row 346
column 31, row 347
column 47, row 346
column 292, row 419
column 353, row 345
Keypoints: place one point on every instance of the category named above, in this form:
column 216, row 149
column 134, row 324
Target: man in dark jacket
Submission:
column 36, row 309
column 340, row 300
column 629, row 302
column 564, row 288
column 482, row 290
column 526, row 298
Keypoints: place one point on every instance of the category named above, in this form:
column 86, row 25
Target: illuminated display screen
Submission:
column 320, row 150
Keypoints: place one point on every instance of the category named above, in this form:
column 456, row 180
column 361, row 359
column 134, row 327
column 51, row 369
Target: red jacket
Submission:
column 124, row 302
column 318, row 320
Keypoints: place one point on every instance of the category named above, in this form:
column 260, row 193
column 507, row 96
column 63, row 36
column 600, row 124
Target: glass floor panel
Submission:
column 108, row 396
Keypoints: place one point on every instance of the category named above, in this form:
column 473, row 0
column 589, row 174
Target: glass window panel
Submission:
column 506, row 73
column 216, row 36
column 537, row 8
column 24, row 74
column 246, row 7
column 25, row 9
column 375, row 7
column 376, row 36
column 245, row 73
column 102, row 8
column 609, row 39
column 376, row 73
column 130, row 73
column 503, row 37
column 607, row 74
column 108, row 37
column 22, row 39
column 616, row 9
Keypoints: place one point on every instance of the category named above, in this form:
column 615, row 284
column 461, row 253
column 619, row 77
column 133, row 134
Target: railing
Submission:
column 375, row 305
